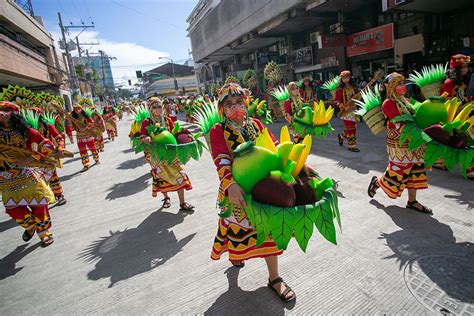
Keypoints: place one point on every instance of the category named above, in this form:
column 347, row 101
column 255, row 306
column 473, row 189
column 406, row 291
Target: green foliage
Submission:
column 332, row 84
column 31, row 118
column 231, row 79
column 318, row 131
column 429, row 75
column 49, row 118
column 272, row 72
column 140, row 113
column 280, row 93
column 297, row 221
column 207, row 116
column 370, row 100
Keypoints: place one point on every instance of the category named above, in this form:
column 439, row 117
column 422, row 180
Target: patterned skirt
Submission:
column 240, row 243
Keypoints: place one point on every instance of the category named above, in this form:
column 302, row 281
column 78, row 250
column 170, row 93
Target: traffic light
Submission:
column 139, row 74
column 129, row 82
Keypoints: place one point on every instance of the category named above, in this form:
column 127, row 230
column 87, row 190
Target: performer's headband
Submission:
column 393, row 80
column 6, row 105
column 230, row 89
column 458, row 60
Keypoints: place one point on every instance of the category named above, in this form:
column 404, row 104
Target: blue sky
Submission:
column 137, row 32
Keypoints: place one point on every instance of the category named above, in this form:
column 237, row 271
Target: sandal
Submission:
column 423, row 209
column 353, row 149
column 60, row 200
column 238, row 264
column 186, row 207
column 166, row 202
column 285, row 292
column 84, row 169
column 45, row 242
column 373, row 186
column 27, row 235
column 340, row 139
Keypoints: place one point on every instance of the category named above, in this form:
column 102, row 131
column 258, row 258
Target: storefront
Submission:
column 371, row 50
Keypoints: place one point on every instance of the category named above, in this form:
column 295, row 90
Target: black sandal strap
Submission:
column 276, row 281
column 286, row 291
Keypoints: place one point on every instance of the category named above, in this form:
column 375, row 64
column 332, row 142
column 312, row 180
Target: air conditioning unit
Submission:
column 314, row 37
column 252, row 57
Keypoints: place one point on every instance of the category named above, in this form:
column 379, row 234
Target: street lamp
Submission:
column 174, row 75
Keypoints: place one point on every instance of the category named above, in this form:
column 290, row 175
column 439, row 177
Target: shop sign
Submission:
column 333, row 40
column 264, row 57
column 372, row 40
column 330, row 61
column 302, row 57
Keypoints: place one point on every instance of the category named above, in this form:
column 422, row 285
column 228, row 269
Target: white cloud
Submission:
column 130, row 56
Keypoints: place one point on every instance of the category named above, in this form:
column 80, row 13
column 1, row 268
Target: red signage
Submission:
column 368, row 41
column 333, row 40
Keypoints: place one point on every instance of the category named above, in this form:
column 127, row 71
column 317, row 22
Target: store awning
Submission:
column 308, row 68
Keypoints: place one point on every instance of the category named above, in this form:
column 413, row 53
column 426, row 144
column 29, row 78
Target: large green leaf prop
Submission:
column 318, row 130
column 299, row 221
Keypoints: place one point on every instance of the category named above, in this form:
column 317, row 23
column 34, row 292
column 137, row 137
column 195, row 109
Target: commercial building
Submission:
column 319, row 38
column 99, row 65
column 160, row 81
column 28, row 56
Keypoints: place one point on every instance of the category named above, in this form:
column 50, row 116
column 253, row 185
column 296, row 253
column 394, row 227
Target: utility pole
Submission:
column 68, row 56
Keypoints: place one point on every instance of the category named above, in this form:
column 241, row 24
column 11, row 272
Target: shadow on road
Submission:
column 8, row 263
column 132, row 164
column 6, row 225
column 420, row 235
column 463, row 198
column 78, row 157
column 235, row 301
column 124, row 189
column 69, row 176
column 128, row 151
column 125, row 254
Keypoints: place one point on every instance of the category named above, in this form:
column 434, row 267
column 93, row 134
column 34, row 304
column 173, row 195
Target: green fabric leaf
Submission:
column 433, row 152
column 403, row 118
column 249, row 210
column 450, row 158
column 466, row 157
column 304, row 218
column 325, row 224
column 261, row 222
column 228, row 206
column 331, row 198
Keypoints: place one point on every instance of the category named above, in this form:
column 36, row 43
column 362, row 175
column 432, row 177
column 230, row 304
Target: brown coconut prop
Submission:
column 274, row 191
column 304, row 193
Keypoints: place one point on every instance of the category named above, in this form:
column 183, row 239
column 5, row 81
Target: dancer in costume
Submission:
column 99, row 127
column 25, row 193
column 307, row 92
column 293, row 105
column 456, row 86
column 84, row 125
column 235, row 234
column 406, row 167
column 49, row 132
column 167, row 177
column 344, row 94
column 110, row 119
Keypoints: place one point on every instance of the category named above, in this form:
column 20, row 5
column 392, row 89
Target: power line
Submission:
column 87, row 9
column 152, row 17
column 77, row 11
column 62, row 9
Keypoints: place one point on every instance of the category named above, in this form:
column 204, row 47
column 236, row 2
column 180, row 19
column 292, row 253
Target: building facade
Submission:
column 28, row 56
column 319, row 38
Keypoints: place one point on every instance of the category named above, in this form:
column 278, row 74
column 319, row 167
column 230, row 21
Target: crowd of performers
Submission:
column 29, row 188
column 33, row 142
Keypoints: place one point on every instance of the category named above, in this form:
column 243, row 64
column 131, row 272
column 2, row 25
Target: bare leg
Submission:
column 181, row 196
column 272, row 265
column 411, row 195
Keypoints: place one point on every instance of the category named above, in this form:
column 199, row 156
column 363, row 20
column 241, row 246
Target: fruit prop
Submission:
column 206, row 117
column 445, row 133
column 250, row 79
column 85, row 101
column 231, row 79
column 332, row 84
column 165, row 146
column 257, row 108
column 20, row 96
column 283, row 198
column 430, row 79
column 313, row 122
column 272, row 72
column 370, row 108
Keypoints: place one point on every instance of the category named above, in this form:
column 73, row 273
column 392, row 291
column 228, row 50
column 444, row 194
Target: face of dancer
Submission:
column 401, row 89
column 294, row 91
column 156, row 111
column 234, row 108
column 306, row 83
column 5, row 115
column 346, row 80
column 77, row 110
column 464, row 69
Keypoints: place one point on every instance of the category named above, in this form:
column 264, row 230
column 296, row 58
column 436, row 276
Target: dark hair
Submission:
column 77, row 116
column 19, row 124
column 455, row 75
column 351, row 82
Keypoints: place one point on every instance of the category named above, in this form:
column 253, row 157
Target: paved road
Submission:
column 116, row 251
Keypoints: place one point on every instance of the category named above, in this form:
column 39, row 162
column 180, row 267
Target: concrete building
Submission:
column 319, row 38
column 28, row 56
column 96, row 63
column 187, row 85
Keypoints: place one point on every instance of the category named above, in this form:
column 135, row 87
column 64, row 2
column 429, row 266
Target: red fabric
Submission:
column 32, row 216
column 287, row 107
column 390, row 109
column 448, row 87
column 350, row 128
column 339, row 96
column 45, row 146
column 54, row 134
column 145, row 123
